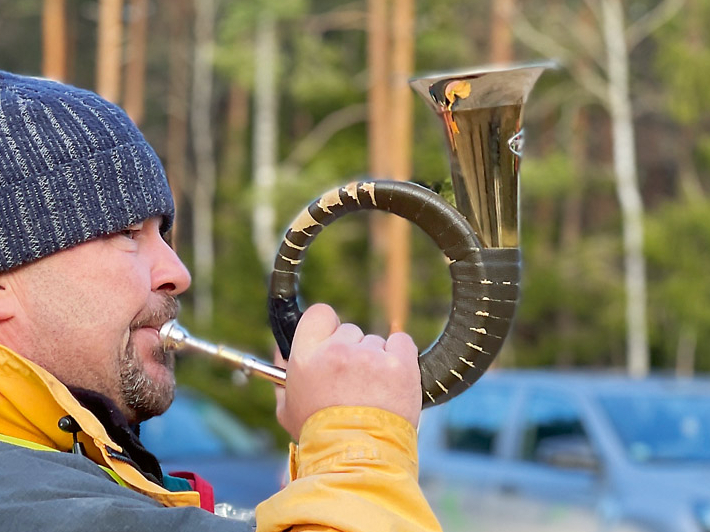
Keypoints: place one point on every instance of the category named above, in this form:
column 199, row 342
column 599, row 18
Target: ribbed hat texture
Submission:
column 72, row 167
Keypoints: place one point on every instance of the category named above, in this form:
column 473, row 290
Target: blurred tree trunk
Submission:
column 134, row 79
column 229, row 210
column 501, row 43
column 108, row 54
column 178, row 90
column 398, row 260
column 571, row 230
column 265, row 140
column 206, row 173
column 571, row 234
column 378, row 151
column 696, row 37
column 685, row 353
column 233, row 154
column 628, row 191
column 54, row 40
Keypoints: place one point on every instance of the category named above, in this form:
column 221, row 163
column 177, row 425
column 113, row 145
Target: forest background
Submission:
column 257, row 108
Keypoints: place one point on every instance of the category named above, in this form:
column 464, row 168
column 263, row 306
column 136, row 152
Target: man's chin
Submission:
column 152, row 403
column 149, row 389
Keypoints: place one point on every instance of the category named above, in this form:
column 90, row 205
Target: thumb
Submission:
column 315, row 326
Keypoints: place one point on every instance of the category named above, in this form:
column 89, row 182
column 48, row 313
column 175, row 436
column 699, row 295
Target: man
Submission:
column 86, row 281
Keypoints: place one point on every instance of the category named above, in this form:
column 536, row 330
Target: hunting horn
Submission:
column 481, row 112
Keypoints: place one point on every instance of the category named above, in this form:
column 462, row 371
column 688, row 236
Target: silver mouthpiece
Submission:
column 175, row 338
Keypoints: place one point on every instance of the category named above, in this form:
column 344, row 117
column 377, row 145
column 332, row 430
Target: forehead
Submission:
column 77, row 259
column 99, row 256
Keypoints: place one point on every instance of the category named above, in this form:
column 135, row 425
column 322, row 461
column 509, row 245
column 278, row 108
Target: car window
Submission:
column 476, row 419
column 661, row 426
column 546, row 416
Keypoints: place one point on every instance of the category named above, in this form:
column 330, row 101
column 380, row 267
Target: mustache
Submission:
column 154, row 317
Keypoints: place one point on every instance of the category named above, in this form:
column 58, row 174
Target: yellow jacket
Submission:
column 355, row 469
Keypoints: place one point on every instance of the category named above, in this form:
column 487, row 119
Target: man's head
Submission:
column 85, row 275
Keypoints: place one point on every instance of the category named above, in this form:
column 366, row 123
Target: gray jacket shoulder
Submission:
column 62, row 492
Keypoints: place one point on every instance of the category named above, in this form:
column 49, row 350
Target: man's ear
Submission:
column 7, row 299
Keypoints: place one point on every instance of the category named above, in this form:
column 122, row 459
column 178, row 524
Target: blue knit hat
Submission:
column 73, row 167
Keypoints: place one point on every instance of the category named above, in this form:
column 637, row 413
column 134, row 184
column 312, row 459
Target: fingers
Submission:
column 373, row 342
column 280, row 391
column 347, row 333
column 320, row 323
column 401, row 342
column 316, row 325
column 334, row 364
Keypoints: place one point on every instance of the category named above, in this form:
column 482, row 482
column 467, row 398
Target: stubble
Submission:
column 143, row 394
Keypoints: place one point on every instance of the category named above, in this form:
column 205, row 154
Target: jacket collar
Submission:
column 118, row 429
column 31, row 403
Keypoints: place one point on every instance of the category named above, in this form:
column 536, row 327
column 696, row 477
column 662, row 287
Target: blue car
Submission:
column 197, row 435
column 529, row 451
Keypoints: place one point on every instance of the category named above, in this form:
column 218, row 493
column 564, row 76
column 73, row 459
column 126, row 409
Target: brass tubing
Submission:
column 175, row 338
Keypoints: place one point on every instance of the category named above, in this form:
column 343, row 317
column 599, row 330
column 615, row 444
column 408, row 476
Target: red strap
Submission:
column 201, row 486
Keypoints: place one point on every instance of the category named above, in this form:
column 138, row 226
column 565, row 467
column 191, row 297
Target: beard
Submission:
column 144, row 395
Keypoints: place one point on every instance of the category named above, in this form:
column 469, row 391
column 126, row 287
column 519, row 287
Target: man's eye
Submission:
column 129, row 233
column 132, row 231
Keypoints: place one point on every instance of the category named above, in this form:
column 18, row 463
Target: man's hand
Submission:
column 334, row 364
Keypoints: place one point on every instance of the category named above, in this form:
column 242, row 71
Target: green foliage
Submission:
column 682, row 60
column 678, row 249
column 571, row 310
column 551, row 176
column 703, row 150
column 321, row 74
column 687, row 98
column 236, row 29
column 450, row 35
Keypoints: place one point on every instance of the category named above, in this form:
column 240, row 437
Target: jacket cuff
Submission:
column 338, row 438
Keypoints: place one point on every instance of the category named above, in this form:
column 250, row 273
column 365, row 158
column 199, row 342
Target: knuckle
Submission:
column 334, row 355
column 320, row 308
column 350, row 329
column 401, row 341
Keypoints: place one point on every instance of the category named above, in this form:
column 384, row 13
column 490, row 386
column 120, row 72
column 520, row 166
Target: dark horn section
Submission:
column 485, row 294
column 485, row 281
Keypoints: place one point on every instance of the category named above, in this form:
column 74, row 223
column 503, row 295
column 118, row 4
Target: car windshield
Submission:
column 661, row 427
column 193, row 427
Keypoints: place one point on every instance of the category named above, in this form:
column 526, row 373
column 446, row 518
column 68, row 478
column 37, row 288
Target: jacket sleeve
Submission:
column 355, row 470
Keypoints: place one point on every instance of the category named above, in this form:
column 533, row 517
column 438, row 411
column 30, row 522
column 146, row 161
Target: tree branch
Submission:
column 651, row 21
column 592, row 82
column 322, row 132
column 585, row 33
column 549, row 47
column 346, row 17
column 594, row 9
column 538, row 41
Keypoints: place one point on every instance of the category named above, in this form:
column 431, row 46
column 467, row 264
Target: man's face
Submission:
column 91, row 314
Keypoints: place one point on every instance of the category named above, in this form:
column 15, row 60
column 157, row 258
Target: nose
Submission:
column 169, row 274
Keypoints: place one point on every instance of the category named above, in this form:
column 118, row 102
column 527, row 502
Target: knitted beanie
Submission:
column 73, row 167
